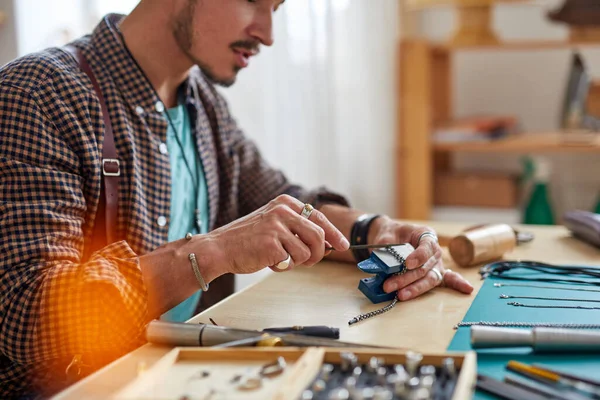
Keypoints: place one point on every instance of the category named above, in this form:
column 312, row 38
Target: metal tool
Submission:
column 540, row 339
column 546, row 376
column 181, row 334
column 318, row 331
column 367, row 246
column 504, row 390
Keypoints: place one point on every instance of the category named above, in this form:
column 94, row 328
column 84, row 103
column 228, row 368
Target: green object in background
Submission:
column 538, row 210
column 597, row 209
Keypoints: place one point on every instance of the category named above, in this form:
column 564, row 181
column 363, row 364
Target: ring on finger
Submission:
column 307, row 211
column 285, row 264
column 443, row 284
column 438, row 274
column 427, row 234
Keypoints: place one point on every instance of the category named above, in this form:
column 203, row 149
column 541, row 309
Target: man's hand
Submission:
column 420, row 277
column 266, row 237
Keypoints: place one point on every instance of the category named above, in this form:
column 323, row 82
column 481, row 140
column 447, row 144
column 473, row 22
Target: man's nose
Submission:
column 262, row 28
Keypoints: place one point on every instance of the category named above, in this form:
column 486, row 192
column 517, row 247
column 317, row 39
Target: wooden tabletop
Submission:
column 327, row 294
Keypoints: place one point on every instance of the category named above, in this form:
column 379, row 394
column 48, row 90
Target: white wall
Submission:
column 8, row 34
column 528, row 84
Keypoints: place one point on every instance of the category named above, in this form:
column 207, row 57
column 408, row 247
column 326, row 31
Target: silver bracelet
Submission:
column 195, row 268
column 194, row 262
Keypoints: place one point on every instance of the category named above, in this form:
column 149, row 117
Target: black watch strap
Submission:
column 360, row 233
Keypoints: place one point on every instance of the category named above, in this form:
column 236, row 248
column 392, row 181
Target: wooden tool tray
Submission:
column 191, row 373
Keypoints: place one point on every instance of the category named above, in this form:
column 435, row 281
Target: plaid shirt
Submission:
column 54, row 304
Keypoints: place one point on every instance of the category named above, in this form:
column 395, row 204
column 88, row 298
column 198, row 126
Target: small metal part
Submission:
column 401, row 371
column 382, row 393
column 420, row 394
column 250, row 382
column 364, row 394
column 339, row 394
column 273, row 369
column 448, row 368
column 412, row 362
column 307, row 395
column 427, row 370
column 399, row 383
column 427, row 382
column 357, row 372
column 348, row 360
column 413, row 384
column 350, row 383
column 326, row 371
column 374, row 363
column 382, row 373
column 319, row 385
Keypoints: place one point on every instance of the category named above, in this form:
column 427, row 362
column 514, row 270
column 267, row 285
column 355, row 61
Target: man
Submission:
column 185, row 168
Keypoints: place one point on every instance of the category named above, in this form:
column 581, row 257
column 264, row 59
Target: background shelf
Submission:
column 529, row 143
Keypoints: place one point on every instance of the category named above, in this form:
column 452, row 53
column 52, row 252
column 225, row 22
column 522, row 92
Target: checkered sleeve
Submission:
column 259, row 182
column 53, row 305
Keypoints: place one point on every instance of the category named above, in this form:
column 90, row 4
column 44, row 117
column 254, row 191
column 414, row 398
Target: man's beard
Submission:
column 184, row 36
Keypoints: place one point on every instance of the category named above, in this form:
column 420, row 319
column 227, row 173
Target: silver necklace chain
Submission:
column 387, row 308
column 507, row 324
column 372, row 314
column 514, row 303
column 504, row 296
column 545, row 287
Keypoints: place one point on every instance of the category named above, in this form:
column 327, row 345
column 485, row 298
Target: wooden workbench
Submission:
column 327, row 294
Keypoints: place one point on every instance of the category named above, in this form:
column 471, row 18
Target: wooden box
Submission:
column 203, row 373
column 476, row 190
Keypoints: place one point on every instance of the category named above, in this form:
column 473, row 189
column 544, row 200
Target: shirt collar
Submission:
column 131, row 81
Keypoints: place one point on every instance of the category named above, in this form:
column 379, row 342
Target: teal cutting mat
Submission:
column 487, row 306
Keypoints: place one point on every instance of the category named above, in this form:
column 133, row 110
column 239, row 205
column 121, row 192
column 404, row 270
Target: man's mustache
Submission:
column 253, row 46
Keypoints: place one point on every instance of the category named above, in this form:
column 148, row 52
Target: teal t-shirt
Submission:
column 183, row 201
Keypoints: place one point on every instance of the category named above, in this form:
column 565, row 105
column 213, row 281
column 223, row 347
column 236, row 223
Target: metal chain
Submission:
column 527, row 325
column 545, row 287
column 513, row 303
column 504, row 296
column 398, row 258
column 372, row 314
column 387, row 308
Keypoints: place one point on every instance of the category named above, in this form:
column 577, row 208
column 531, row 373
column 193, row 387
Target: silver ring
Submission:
column 444, row 277
column 427, row 234
column 285, row 264
column 307, row 211
column 439, row 276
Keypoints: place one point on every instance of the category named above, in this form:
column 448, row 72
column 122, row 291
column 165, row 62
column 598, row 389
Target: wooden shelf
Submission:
column 424, row 4
column 527, row 45
column 528, row 143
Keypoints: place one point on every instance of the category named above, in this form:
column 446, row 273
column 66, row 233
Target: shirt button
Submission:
column 161, row 221
column 159, row 106
column 139, row 110
column 163, row 148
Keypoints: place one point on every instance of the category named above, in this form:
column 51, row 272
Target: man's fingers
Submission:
column 332, row 235
column 425, row 248
column 297, row 249
column 423, row 285
column 337, row 240
column 400, row 281
column 455, row 281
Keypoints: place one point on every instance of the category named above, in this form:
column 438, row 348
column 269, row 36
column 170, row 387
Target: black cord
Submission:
column 511, row 270
column 195, row 182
